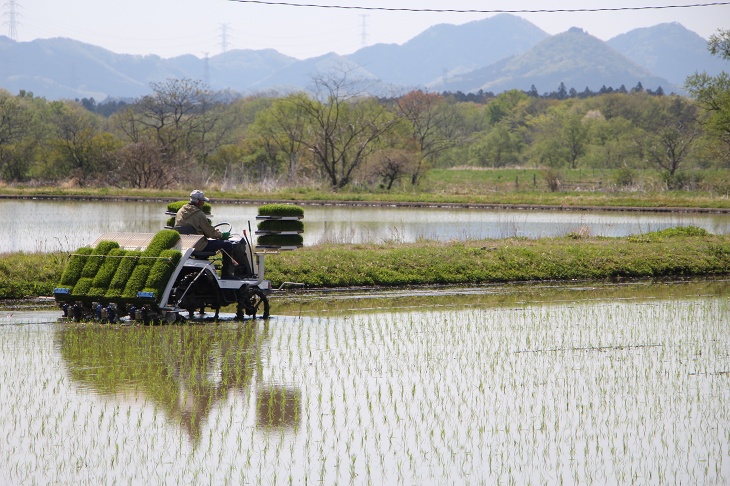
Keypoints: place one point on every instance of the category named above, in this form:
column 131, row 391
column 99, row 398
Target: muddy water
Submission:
column 581, row 384
column 35, row 225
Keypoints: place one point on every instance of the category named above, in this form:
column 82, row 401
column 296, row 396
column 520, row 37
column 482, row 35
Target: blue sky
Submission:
column 174, row 27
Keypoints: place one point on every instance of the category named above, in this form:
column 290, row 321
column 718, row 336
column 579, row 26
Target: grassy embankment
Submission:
column 522, row 187
column 679, row 252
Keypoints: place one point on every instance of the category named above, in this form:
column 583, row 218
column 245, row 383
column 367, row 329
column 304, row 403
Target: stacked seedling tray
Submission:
column 280, row 227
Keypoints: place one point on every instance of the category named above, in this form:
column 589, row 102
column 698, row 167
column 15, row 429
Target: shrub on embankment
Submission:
column 679, row 252
column 661, row 254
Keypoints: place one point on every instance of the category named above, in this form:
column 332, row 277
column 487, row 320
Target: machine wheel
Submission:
column 252, row 301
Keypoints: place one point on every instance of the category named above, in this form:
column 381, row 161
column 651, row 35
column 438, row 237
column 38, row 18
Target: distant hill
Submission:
column 298, row 75
column 62, row 68
column 494, row 54
column 574, row 57
column 243, row 69
column 450, row 49
column 668, row 50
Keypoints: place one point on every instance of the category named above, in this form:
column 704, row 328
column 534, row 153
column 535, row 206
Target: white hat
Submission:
column 197, row 195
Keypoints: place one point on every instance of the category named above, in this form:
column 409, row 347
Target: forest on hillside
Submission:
column 337, row 135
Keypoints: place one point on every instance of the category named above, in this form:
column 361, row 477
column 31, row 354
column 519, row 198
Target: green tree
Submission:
column 671, row 139
column 574, row 137
column 500, row 146
column 501, row 141
column 612, row 144
column 634, row 107
column 470, row 121
column 713, row 92
column 229, row 164
column 719, row 44
column 78, row 142
column 562, row 92
column 509, row 105
column 560, row 136
column 281, row 127
column 16, row 141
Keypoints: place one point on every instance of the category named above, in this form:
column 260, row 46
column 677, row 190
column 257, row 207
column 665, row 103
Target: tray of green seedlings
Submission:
column 174, row 207
column 77, row 279
column 280, row 227
column 108, row 273
column 154, row 267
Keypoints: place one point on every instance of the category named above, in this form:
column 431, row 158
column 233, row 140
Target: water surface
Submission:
column 584, row 384
column 35, row 225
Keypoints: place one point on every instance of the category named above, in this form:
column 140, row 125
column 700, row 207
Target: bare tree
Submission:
column 128, row 123
column 344, row 125
column 433, row 123
column 182, row 118
column 392, row 165
column 140, row 165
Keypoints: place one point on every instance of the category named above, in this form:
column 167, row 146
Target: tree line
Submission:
column 561, row 93
column 337, row 134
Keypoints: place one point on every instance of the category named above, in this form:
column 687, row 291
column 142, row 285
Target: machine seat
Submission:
column 189, row 230
column 185, row 229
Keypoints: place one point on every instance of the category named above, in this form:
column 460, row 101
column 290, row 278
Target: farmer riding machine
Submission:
column 167, row 277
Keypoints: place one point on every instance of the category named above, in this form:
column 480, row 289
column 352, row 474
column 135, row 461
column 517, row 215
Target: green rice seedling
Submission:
column 81, row 289
column 127, row 264
column 106, row 272
column 96, row 293
column 174, row 207
column 281, row 210
column 95, row 260
column 573, row 392
column 163, row 240
column 280, row 240
column 75, row 266
column 161, row 271
column 137, row 280
column 281, row 225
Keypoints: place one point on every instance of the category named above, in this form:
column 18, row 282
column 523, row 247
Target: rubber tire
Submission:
column 250, row 302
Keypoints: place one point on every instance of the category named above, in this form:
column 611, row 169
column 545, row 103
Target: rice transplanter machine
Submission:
column 165, row 277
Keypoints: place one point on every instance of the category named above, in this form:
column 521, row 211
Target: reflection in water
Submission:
column 347, row 301
column 278, row 407
column 186, row 371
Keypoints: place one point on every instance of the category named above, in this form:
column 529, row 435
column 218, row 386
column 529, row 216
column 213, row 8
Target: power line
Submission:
column 486, row 11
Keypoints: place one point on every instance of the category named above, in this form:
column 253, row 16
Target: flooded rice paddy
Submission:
column 42, row 225
column 530, row 384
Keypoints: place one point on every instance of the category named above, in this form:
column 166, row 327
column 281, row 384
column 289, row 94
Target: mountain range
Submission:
column 495, row 54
